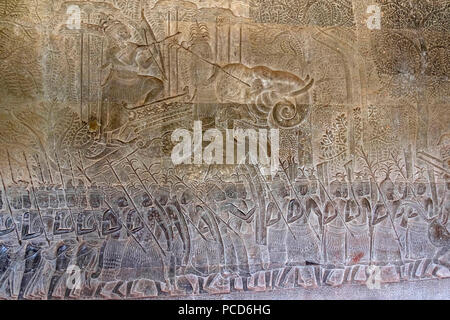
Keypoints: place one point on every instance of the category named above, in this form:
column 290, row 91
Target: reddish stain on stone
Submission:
column 357, row 257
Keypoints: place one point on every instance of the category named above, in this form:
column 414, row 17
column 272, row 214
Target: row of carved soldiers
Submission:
column 112, row 225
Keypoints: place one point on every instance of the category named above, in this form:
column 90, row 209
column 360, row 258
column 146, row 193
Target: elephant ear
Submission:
column 286, row 114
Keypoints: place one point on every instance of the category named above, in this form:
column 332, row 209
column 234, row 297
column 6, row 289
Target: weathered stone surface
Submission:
column 169, row 149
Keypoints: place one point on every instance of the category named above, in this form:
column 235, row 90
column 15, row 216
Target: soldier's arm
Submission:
column 270, row 218
column 28, row 236
column 311, row 206
column 429, row 207
column 377, row 219
column 106, row 225
column 348, row 216
column 59, row 229
column 330, row 217
column 366, row 204
column 241, row 214
column 294, row 217
column 7, row 230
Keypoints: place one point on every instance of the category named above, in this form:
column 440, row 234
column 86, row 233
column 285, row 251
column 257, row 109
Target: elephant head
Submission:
column 269, row 94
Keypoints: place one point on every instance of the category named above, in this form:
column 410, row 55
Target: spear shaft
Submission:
column 334, row 207
column 276, row 202
column 65, row 196
column 35, row 200
column 206, row 205
column 135, row 207
column 374, row 178
column 130, row 163
column 9, row 209
column 10, row 167
column 123, row 226
column 296, row 194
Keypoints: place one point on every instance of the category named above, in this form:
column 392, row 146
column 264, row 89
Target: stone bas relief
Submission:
column 92, row 206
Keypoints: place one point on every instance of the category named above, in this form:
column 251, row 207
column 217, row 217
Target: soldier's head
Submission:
column 130, row 216
column 420, row 187
column 8, row 222
column 279, row 189
column 26, row 217
column 198, row 209
column 171, row 212
column 161, row 194
column 61, row 249
column 358, row 187
column 335, row 188
column 231, row 191
column 366, row 184
column 186, row 197
column 115, row 29
column 241, row 191
column 80, row 183
column 215, row 194
column 401, row 186
column 388, row 188
column 151, row 217
column 122, row 202
column 146, row 201
column 69, row 184
column 302, row 185
column 313, row 184
column 59, row 216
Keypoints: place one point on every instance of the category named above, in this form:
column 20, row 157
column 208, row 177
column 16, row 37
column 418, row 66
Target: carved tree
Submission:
column 411, row 54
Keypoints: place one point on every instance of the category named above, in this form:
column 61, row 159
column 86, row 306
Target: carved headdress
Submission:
column 108, row 22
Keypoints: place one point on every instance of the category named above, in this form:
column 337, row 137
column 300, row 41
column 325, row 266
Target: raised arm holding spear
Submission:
column 334, row 207
column 180, row 180
column 275, row 200
column 130, row 164
column 364, row 156
column 295, row 193
column 135, row 207
column 129, row 232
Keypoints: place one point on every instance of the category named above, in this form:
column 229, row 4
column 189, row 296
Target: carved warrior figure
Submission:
column 335, row 232
column 305, row 248
column 242, row 220
column 127, row 81
column 438, row 234
column 276, row 232
column 62, row 260
column 112, row 250
column 358, row 212
column 418, row 244
column 32, row 261
column 6, row 264
column 386, row 242
column 235, row 223
column 205, row 256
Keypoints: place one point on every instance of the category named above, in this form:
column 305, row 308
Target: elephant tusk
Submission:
column 302, row 90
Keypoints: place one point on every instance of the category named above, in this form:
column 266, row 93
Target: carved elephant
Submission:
column 270, row 95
